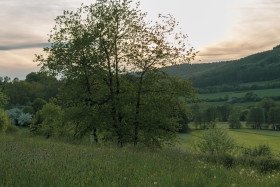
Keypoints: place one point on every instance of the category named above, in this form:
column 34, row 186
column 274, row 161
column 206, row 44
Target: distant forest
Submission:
column 264, row 66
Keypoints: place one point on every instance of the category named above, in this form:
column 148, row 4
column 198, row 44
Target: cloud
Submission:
column 24, row 46
column 256, row 29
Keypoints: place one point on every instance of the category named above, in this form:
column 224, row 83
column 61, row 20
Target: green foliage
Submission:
column 224, row 111
column 256, row 118
column 28, row 109
column 274, row 117
column 258, row 67
column 261, row 150
column 24, row 119
column 38, row 104
column 4, row 121
column 48, row 121
column 266, row 104
column 14, row 114
column 94, row 50
column 4, row 100
column 234, row 119
column 215, row 141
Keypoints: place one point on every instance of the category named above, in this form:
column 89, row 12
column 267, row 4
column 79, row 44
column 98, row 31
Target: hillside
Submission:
column 264, row 66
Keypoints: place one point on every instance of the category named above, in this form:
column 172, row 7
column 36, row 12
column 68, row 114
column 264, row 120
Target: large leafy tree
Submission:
column 96, row 49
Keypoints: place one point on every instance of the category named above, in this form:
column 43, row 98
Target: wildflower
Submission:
column 272, row 175
column 155, row 183
column 252, row 172
column 268, row 176
column 233, row 185
column 214, row 177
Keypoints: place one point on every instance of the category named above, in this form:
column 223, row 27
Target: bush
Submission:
column 14, row 115
column 24, row 119
column 12, row 129
column 261, row 150
column 215, row 141
column 5, row 121
column 48, row 121
column 267, row 164
column 28, row 109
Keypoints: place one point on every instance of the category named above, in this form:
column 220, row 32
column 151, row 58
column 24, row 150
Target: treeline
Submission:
column 265, row 114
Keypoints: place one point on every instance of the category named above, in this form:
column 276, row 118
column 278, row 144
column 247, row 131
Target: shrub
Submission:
column 261, row 150
column 28, row 109
column 267, row 164
column 14, row 114
column 5, row 121
column 48, row 121
column 24, row 119
column 215, row 141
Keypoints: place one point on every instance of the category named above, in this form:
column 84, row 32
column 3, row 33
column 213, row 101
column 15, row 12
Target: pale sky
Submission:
column 219, row 29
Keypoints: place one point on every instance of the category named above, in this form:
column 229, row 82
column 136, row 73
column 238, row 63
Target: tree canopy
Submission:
column 110, row 59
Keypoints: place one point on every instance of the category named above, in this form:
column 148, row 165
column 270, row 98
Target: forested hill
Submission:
column 264, row 66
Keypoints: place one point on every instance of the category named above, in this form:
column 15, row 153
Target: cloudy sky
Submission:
column 219, row 29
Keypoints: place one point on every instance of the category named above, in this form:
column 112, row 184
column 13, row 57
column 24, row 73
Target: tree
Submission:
column 38, row 104
column 266, row 104
column 96, row 48
column 48, row 122
column 4, row 121
column 274, row 117
column 215, row 141
column 224, row 111
column 234, row 119
column 4, row 100
column 256, row 117
column 209, row 117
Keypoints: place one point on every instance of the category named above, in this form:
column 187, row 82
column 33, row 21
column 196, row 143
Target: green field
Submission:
column 238, row 94
column 31, row 162
column 245, row 137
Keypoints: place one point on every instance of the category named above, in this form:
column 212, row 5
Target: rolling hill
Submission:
column 263, row 66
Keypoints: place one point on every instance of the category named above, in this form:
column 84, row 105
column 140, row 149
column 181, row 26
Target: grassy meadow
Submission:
column 29, row 161
column 245, row 137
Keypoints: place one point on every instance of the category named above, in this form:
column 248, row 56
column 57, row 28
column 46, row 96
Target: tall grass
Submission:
column 28, row 161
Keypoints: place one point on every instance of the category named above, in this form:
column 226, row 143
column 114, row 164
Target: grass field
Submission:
column 245, row 137
column 31, row 162
column 238, row 94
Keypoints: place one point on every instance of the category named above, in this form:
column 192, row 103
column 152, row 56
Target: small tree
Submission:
column 48, row 121
column 224, row 111
column 5, row 121
column 266, row 104
column 274, row 117
column 24, row 119
column 4, row 100
column 234, row 119
column 215, row 141
column 14, row 114
column 256, row 118
column 38, row 104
